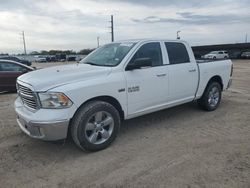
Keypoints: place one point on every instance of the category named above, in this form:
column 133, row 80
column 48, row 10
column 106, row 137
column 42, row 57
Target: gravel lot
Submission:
column 179, row 147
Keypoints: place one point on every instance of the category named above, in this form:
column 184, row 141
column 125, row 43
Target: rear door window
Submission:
column 177, row 53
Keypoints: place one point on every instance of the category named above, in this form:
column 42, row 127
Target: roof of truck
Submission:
column 150, row 39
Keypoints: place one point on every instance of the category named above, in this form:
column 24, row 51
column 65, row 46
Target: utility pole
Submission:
column 177, row 35
column 112, row 28
column 24, row 44
column 98, row 42
column 246, row 38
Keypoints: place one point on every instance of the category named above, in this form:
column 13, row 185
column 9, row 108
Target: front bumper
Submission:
column 44, row 124
column 44, row 130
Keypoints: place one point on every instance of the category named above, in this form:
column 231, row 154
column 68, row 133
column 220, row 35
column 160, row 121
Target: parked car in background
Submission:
column 52, row 58
column 216, row 55
column 71, row 58
column 61, row 57
column 235, row 55
column 79, row 58
column 245, row 55
column 40, row 59
column 12, row 58
column 47, row 58
column 9, row 71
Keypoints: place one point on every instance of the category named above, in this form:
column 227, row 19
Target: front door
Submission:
column 147, row 87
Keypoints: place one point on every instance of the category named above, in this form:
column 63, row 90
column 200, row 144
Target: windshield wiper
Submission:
column 100, row 65
column 91, row 63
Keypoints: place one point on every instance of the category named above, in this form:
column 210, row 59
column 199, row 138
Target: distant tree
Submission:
column 34, row 53
column 4, row 54
column 85, row 51
column 55, row 52
column 44, row 52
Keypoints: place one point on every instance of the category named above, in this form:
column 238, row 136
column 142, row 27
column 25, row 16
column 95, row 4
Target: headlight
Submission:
column 54, row 100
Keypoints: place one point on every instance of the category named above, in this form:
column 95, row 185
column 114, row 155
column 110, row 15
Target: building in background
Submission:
column 234, row 50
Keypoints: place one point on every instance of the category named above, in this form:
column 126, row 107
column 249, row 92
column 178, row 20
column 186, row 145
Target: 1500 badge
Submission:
column 133, row 89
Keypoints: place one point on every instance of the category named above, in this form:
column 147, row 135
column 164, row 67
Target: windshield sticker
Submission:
column 126, row 44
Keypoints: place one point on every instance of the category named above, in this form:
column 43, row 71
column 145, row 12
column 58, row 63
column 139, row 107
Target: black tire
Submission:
column 214, row 57
column 81, row 118
column 204, row 100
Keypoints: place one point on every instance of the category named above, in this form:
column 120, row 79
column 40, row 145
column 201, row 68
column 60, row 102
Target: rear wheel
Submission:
column 211, row 97
column 95, row 126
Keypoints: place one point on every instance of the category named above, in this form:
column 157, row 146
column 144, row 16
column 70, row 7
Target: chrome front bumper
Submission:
column 44, row 130
column 44, row 124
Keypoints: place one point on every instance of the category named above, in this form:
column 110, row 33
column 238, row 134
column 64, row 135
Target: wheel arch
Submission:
column 218, row 79
column 105, row 98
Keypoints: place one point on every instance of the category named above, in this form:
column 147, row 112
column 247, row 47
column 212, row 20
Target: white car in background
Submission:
column 245, row 55
column 40, row 59
column 217, row 55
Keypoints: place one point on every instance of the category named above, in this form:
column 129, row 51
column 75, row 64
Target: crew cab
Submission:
column 217, row 55
column 116, row 82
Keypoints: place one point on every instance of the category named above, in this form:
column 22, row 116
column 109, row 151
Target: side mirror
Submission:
column 139, row 63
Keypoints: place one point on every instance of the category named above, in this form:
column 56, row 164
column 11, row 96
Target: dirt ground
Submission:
column 182, row 147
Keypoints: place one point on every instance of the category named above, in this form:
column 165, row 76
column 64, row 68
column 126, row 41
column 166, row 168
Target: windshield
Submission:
column 109, row 55
column 213, row 52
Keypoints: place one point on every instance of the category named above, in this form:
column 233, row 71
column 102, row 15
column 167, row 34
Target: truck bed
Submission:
column 210, row 68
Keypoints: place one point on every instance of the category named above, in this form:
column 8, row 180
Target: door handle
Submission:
column 160, row 75
column 192, row 70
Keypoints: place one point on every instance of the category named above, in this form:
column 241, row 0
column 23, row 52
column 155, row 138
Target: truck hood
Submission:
column 48, row 78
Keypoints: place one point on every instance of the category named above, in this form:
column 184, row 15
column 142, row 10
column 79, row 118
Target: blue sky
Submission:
column 75, row 24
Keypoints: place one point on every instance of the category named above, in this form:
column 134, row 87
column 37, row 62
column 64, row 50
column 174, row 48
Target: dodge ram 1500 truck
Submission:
column 116, row 82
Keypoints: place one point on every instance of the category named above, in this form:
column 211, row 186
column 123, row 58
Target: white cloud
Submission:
column 75, row 24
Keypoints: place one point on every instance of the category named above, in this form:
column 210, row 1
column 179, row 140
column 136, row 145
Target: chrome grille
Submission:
column 27, row 96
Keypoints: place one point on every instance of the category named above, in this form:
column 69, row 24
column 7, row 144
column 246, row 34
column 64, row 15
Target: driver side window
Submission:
column 152, row 51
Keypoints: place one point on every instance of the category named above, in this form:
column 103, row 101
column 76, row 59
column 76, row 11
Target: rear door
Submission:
column 183, row 72
column 8, row 75
column 220, row 55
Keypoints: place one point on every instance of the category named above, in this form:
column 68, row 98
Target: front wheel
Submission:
column 211, row 97
column 95, row 126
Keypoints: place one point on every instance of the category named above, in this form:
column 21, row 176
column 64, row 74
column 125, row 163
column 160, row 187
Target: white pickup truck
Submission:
column 117, row 81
